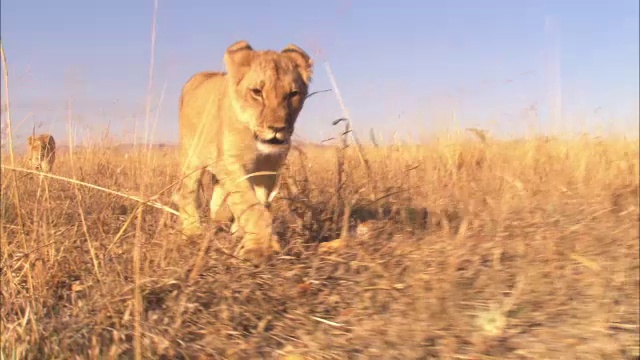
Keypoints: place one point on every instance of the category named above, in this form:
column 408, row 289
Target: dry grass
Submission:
column 529, row 250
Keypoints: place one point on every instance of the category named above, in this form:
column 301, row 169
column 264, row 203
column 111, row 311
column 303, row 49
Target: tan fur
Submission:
column 236, row 123
column 42, row 152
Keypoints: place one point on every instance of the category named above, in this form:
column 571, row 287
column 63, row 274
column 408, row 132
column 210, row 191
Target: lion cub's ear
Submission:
column 238, row 57
column 300, row 57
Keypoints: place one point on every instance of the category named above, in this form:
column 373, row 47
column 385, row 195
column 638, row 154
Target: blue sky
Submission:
column 413, row 66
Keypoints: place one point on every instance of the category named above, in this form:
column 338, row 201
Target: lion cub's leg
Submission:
column 262, row 195
column 47, row 164
column 218, row 211
column 46, row 168
column 250, row 215
column 265, row 188
column 51, row 161
column 187, row 200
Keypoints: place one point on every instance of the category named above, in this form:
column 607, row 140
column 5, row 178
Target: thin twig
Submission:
column 150, row 82
column 130, row 218
column 78, row 182
column 349, row 129
column 138, row 306
column 317, row 92
column 327, row 321
column 16, row 195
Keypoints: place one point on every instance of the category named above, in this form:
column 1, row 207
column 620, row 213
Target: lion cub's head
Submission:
column 268, row 90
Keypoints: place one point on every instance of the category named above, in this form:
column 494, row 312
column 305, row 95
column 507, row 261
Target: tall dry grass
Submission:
column 485, row 249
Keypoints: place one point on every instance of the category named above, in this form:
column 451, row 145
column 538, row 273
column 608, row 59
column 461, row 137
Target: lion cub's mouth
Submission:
column 272, row 141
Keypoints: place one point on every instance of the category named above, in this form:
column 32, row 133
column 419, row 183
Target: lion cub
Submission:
column 42, row 152
column 237, row 123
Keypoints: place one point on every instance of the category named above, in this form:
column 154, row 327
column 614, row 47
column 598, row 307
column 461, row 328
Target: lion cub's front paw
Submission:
column 275, row 244
column 236, row 231
column 191, row 229
column 257, row 249
column 175, row 198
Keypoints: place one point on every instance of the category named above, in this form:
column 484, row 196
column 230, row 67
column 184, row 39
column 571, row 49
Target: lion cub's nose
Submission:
column 277, row 132
column 277, row 129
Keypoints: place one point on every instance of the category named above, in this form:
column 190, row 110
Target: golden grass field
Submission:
column 524, row 249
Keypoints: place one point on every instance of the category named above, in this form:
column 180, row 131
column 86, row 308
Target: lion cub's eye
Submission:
column 256, row 92
column 293, row 94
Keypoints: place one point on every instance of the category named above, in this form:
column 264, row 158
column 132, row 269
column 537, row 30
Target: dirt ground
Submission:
column 455, row 250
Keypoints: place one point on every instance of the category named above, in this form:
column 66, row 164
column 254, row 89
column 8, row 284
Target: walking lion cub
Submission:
column 42, row 152
column 237, row 123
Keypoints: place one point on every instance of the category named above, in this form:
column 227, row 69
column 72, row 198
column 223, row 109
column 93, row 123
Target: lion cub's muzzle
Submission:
column 273, row 135
column 36, row 164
